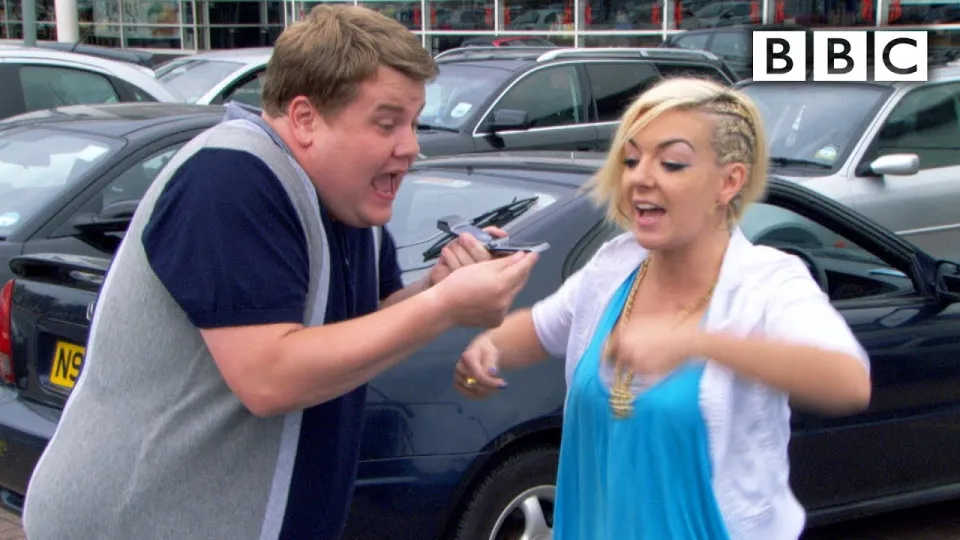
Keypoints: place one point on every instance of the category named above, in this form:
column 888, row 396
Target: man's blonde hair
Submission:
column 738, row 138
column 336, row 48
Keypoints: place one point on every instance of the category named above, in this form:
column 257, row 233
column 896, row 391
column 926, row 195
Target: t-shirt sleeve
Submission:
column 391, row 277
column 226, row 242
column 800, row 312
column 553, row 316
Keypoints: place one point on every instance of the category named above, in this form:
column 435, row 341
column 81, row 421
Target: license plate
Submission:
column 67, row 361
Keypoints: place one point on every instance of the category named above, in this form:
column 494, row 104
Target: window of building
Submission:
column 615, row 85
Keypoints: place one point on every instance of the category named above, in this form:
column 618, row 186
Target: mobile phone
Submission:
column 457, row 225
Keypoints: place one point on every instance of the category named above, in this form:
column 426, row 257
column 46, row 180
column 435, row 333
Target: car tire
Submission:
column 515, row 500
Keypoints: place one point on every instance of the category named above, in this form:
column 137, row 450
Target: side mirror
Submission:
column 510, row 119
column 895, row 165
column 115, row 217
column 948, row 281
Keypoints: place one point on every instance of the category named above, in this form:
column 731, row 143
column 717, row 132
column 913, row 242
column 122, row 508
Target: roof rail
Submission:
column 644, row 52
column 491, row 51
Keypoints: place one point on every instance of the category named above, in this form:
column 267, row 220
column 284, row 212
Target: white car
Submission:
column 36, row 79
column 216, row 77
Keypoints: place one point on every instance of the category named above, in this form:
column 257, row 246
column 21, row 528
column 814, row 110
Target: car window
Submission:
column 926, row 122
column 551, row 97
column 819, row 125
column 38, row 165
column 616, row 84
column 848, row 271
column 132, row 183
column 735, row 44
column 692, row 41
column 249, row 92
column 699, row 72
column 426, row 196
column 46, row 87
column 191, row 78
column 457, row 92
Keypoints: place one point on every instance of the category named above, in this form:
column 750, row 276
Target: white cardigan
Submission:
column 760, row 290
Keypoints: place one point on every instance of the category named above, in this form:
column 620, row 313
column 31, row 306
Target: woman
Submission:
column 683, row 341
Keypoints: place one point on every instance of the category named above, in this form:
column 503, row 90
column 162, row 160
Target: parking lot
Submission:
column 934, row 522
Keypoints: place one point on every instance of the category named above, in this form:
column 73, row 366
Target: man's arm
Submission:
column 226, row 242
column 277, row 368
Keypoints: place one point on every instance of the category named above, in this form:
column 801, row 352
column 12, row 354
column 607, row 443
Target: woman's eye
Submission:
column 631, row 163
column 673, row 166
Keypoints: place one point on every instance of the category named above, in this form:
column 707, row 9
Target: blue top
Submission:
column 226, row 242
column 646, row 477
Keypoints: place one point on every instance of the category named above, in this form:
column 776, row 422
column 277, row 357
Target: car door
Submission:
column 921, row 207
column 114, row 195
column 555, row 103
column 614, row 86
column 897, row 445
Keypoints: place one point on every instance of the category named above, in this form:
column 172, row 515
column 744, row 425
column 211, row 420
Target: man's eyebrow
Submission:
column 391, row 107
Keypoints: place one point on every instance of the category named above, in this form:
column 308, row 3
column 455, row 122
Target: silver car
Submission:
column 891, row 151
column 37, row 79
column 217, row 77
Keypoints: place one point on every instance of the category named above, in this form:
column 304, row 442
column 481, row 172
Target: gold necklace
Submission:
column 621, row 395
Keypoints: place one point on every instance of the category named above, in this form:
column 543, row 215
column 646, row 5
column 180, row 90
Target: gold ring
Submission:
column 469, row 382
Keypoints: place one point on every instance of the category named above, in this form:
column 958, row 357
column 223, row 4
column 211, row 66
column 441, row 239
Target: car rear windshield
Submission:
column 37, row 165
column 457, row 93
column 818, row 123
column 192, row 78
column 428, row 195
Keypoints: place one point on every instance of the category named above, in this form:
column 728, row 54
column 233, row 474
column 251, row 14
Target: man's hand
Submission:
column 480, row 294
column 463, row 251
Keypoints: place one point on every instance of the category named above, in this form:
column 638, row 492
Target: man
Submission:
column 223, row 391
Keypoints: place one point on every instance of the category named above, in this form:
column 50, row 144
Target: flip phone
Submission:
column 457, row 225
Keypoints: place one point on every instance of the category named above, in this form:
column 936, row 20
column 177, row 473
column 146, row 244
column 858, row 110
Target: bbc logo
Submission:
column 840, row 55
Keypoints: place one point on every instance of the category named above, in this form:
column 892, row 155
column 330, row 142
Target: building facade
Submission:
column 442, row 24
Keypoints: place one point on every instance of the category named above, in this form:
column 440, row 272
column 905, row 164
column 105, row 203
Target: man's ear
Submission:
column 304, row 120
column 734, row 178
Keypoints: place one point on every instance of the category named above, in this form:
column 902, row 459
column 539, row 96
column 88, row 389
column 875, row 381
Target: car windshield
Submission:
column 426, row 196
column 456, row 94
column 811, row 132
column 191, row 78
column 37, row 165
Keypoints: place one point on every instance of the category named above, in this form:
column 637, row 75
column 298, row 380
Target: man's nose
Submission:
column 408, row 146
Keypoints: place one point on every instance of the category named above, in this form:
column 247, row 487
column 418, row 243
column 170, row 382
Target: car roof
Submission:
column 247, row 55
column 519, row 57
column 117, row 119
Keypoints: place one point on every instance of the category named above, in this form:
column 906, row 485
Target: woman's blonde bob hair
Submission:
column 738, row 138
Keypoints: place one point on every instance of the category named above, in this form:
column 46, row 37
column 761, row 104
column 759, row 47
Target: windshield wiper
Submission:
column 429, row 127
column 782, row 161
column 498, row 217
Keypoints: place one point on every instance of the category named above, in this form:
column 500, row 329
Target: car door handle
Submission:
column 585, row 147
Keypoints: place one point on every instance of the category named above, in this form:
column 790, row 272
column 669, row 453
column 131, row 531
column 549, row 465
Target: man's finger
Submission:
column 496, row 232
column 477, row 251
column 517, row 273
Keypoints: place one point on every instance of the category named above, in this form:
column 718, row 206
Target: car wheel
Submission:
column 515, row 501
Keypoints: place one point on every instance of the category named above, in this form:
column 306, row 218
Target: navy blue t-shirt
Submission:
column 225, row 240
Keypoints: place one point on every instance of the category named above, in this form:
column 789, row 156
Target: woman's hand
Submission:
column 476, row 369
column 651, row 346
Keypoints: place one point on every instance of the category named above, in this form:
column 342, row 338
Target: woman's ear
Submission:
column 734, row 178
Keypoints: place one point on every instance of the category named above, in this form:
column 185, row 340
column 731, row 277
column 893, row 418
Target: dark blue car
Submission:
column 438, row 466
